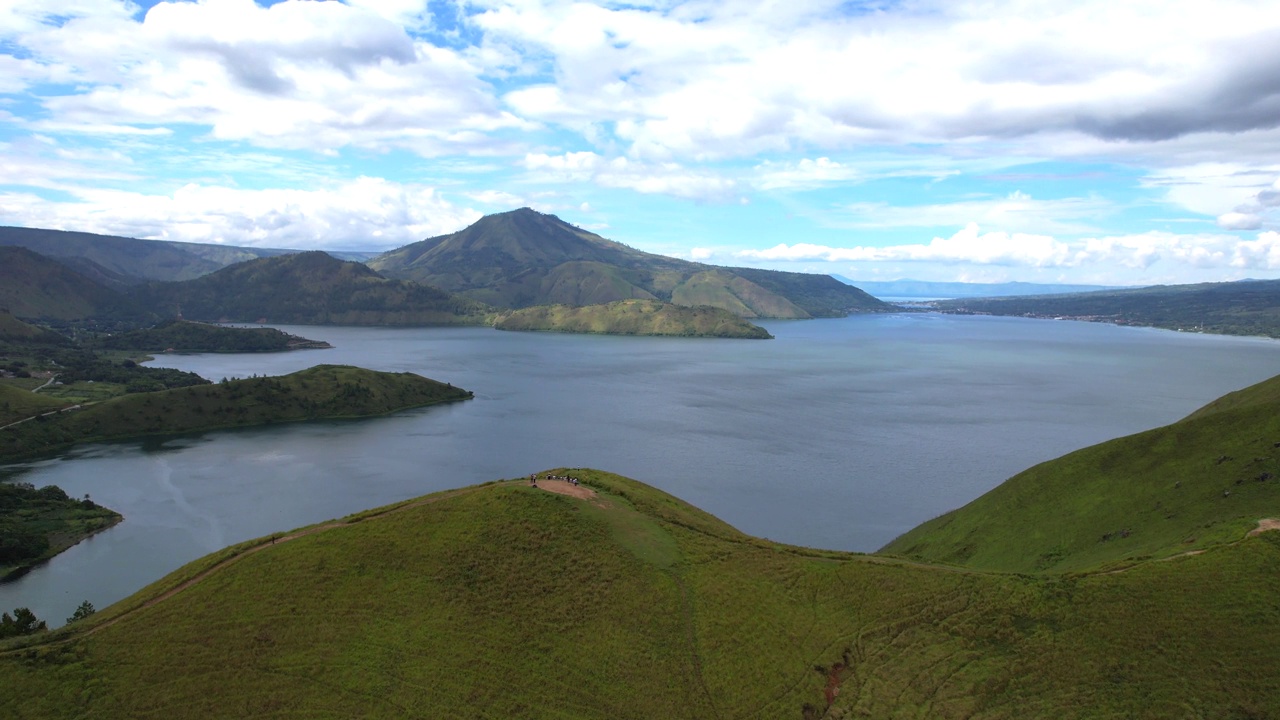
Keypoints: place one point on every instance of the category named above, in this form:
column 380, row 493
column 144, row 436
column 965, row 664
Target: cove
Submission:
column 839, row 434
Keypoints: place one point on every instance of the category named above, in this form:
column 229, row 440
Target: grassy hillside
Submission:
column 1185, row 487
column 33, row 286
column 324, row 391
column 524, row 258
column 13, row 330
column 504, row 601
column 1247, row 307
column 124, row 260
column 185, row 336
column 310, row 288
column 633, row 317
column 17, row 403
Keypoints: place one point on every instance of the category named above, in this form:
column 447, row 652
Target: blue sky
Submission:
column 1097, row 142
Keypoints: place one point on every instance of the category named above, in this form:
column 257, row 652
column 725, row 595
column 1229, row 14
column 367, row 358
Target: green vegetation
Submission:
column 36, row 524
column 17, row 403
column 1246, row 307
column 310, row 288
column 23, row 622
column 503, row 601
column 184, row 336
column 524, row 258
column 324, row 391
column 121, row 261
column 36, row 287
column 1200, row 482
column 633, row 317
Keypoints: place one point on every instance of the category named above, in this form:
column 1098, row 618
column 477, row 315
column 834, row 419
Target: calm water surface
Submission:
column 838, row 434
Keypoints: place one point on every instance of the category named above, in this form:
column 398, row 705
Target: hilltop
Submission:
column 310, row 288
column 122, row 261
column 523, row 258
column 321, row 392
column 633, row 317
column 1245, row 307
column 505, row 600
column 1182, row 488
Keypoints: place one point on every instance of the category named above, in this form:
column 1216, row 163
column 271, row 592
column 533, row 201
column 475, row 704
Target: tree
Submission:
column 23, row 622
column 85, row 610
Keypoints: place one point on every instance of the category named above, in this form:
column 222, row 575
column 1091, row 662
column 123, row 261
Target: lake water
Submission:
column 838, row 434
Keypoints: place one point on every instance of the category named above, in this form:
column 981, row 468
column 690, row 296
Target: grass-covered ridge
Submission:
column 504, row 600
column 186, row 336
column 1199, row 482
column 323, row 391
column 633, row 317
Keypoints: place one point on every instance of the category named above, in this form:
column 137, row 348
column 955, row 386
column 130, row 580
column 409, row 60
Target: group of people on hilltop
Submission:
column 533, row 479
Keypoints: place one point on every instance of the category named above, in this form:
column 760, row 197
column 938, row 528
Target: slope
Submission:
column 36, row 287
column 1202, row 481
column 126, row 259
column 504, row 600
column 310, row 288
column 523, row 258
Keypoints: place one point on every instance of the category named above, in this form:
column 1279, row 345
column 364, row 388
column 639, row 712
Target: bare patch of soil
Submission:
column 1264, row 525
column 564, row 487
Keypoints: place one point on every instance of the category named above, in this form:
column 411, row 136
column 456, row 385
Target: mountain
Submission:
column 13, row 330
column 130, row 260
column 611, row 599
column 522, row 258
column 1244, row 307
column 633, row 317
column 35, row 287
column 1183, row 488
column 930, row 290
column 310, row 288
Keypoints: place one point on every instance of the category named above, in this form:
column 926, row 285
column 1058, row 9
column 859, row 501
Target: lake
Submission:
column 839, row 434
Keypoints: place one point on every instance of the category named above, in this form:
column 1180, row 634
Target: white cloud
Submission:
column 803, row 174
column 1065, row 216
column 619, row 172
column 362, row 214
column 1239, row 221
column 970, row 246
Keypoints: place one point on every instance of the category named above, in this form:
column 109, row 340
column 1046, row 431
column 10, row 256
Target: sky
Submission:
column 1116, row 142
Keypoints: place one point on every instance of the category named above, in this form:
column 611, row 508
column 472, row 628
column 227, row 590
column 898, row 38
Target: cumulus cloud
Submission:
column 971, row 246
column 620, row 172
column 363, row 214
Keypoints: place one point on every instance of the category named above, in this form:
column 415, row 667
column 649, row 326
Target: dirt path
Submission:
column 1264, row 525
column 564, row 487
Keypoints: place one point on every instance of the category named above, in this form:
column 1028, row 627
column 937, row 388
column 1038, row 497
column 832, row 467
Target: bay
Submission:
column 839, row 434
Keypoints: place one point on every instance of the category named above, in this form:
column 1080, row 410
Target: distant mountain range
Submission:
column 1244, row 307
column 925, row 289
column 523, row 258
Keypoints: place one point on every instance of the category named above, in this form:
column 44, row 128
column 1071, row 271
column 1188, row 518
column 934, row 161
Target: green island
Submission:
column 195, row 337
column 36, row 524
column 612, row 599
column 320, row 392
column 633, row 317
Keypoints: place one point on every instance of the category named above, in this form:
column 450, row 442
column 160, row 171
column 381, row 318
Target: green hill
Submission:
column 185, row 336
column 36, row 524
column 35, row 287
column 1200, row 482
column 633, row 317
column 1246, row 307
column 508, row 601
column 16, row 404
column 124, row 260
column 523, row 258
column 310, row 288
column 13, row 330
column 324, row 391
